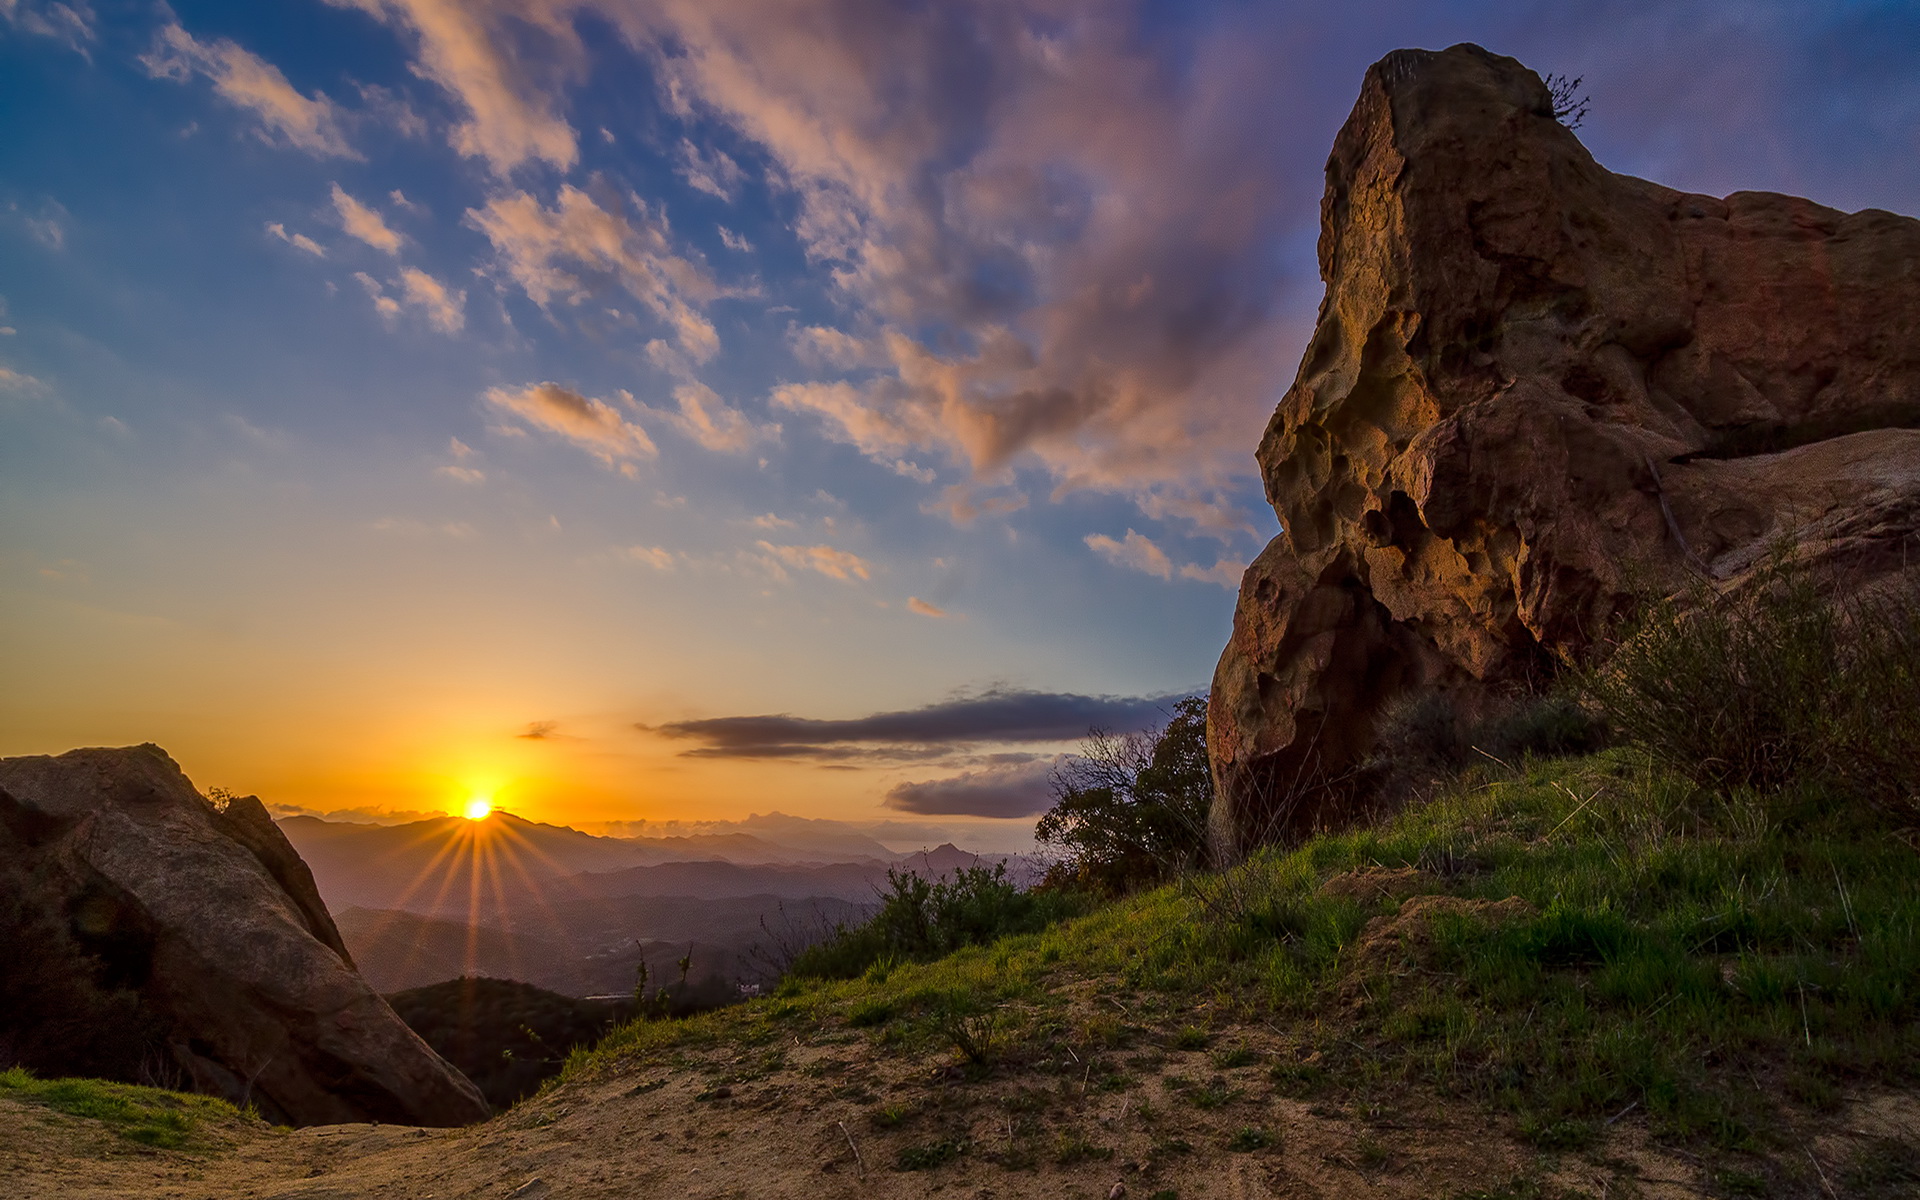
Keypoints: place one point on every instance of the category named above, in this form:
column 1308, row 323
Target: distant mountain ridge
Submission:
column 573, row 912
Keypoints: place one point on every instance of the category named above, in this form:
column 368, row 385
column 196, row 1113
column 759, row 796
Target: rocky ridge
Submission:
column 208, row 914
column 1537, row 389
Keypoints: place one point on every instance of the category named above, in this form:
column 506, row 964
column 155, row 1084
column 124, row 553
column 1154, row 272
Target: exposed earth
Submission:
column 828, row 1110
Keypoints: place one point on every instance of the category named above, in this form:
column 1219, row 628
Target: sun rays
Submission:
column 488, row 859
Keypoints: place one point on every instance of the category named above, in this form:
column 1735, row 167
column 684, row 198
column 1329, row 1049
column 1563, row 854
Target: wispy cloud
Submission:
column 1225, row 573
column 1001, row 715
column 72, row 25
column 917, row 605
column 445, row 307
column 1137, row 553
column 834, row 564
column 565, row 252
column 383, row 304
column 298, row 241
column 701, row 415
column 364, row 223
column 709, row 171
column 593, row 425
column 512, row 115
column 653, row 556
column 244, row 79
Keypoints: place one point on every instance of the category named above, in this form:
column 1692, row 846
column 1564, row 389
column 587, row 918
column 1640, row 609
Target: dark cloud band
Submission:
column 1008, row 792
column 995, row 716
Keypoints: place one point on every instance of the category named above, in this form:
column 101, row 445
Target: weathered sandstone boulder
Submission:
column 213, row 919
column 1537, row 389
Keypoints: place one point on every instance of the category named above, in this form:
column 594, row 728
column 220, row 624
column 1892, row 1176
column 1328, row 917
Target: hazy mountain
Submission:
column 400, row 950
column 569, row 911
column 437, row 864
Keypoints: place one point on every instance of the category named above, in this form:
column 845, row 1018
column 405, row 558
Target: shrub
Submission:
column 1778, row 685
column 922, row 919
column 1130, row 811
column 1430, row 736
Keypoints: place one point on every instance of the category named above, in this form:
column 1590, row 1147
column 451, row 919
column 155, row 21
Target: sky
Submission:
column 675, row 410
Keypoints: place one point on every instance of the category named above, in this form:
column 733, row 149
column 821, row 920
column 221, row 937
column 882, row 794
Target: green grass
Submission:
column 1685, row 963
column 149, row 1116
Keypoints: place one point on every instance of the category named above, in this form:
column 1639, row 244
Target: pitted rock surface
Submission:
column 228, row 937
column 1537, row 389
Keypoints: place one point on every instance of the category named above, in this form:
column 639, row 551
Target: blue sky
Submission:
column 385, row 380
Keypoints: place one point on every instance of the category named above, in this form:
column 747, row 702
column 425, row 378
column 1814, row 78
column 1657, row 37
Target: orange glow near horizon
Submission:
column 478, row 808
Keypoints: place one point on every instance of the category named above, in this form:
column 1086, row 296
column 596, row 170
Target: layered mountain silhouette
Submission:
column 577, row 913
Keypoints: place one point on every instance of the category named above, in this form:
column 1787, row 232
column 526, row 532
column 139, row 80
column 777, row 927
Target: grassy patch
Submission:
column 1674, row 964
column 167, row 1120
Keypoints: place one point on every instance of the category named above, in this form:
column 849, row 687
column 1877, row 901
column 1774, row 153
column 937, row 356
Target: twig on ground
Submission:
column 859, row 1163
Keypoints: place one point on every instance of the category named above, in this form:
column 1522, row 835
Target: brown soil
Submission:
column 832, row 1112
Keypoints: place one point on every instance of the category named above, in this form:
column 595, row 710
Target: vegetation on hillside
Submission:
column 1130, row 810
column 1719, row 950
column 923, row 919
column 149, row 1116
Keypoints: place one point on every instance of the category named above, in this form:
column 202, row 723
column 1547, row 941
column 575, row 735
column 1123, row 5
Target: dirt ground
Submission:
column 842, row 1114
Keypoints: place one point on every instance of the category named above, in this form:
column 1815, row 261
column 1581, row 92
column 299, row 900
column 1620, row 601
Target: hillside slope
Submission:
column 1567, row 980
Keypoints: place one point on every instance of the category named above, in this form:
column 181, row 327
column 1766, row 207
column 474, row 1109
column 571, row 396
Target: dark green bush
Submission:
column 1782, row 684
column 921, row 919
column 1131, row 811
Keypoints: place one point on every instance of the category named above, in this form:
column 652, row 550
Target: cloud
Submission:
column 466, row 48
column 734, row 241
column 462, row 474
column 72, row 25
column 19, row 381
column 834, row 564
column 49, row 228
column 364, row 223
column 1136, row 553
column 652, row 556
column 593, row 425
column 770, row 521
column 539, row 731
column 568, row 251
column 916, row 604
column 996, row 716
column 963, row 503
column 711, row 172
column 1226, row 573
column 298, row 241
column 247, row 81
column 1015, row 791
column 1063, row 232
column 410, row 528
column 708, row 420
column 445, row 307
column 385, row 305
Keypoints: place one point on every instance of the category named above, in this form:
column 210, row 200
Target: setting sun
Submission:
column 478, row 808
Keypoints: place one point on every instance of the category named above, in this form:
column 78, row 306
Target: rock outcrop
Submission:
column 1536, row 389
column 213, row 920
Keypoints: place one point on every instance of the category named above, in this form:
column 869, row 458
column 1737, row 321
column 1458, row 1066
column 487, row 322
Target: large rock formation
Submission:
column 1537, row 388
column 211, row 918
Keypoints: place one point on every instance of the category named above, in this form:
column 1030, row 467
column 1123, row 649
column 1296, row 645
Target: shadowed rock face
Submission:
column 1535, row 390
column 216, row 923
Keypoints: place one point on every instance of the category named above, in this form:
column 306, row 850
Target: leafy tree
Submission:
column 1131, row 810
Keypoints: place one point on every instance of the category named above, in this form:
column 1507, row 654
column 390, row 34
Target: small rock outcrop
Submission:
column 212, row 920
column 1536, row 390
